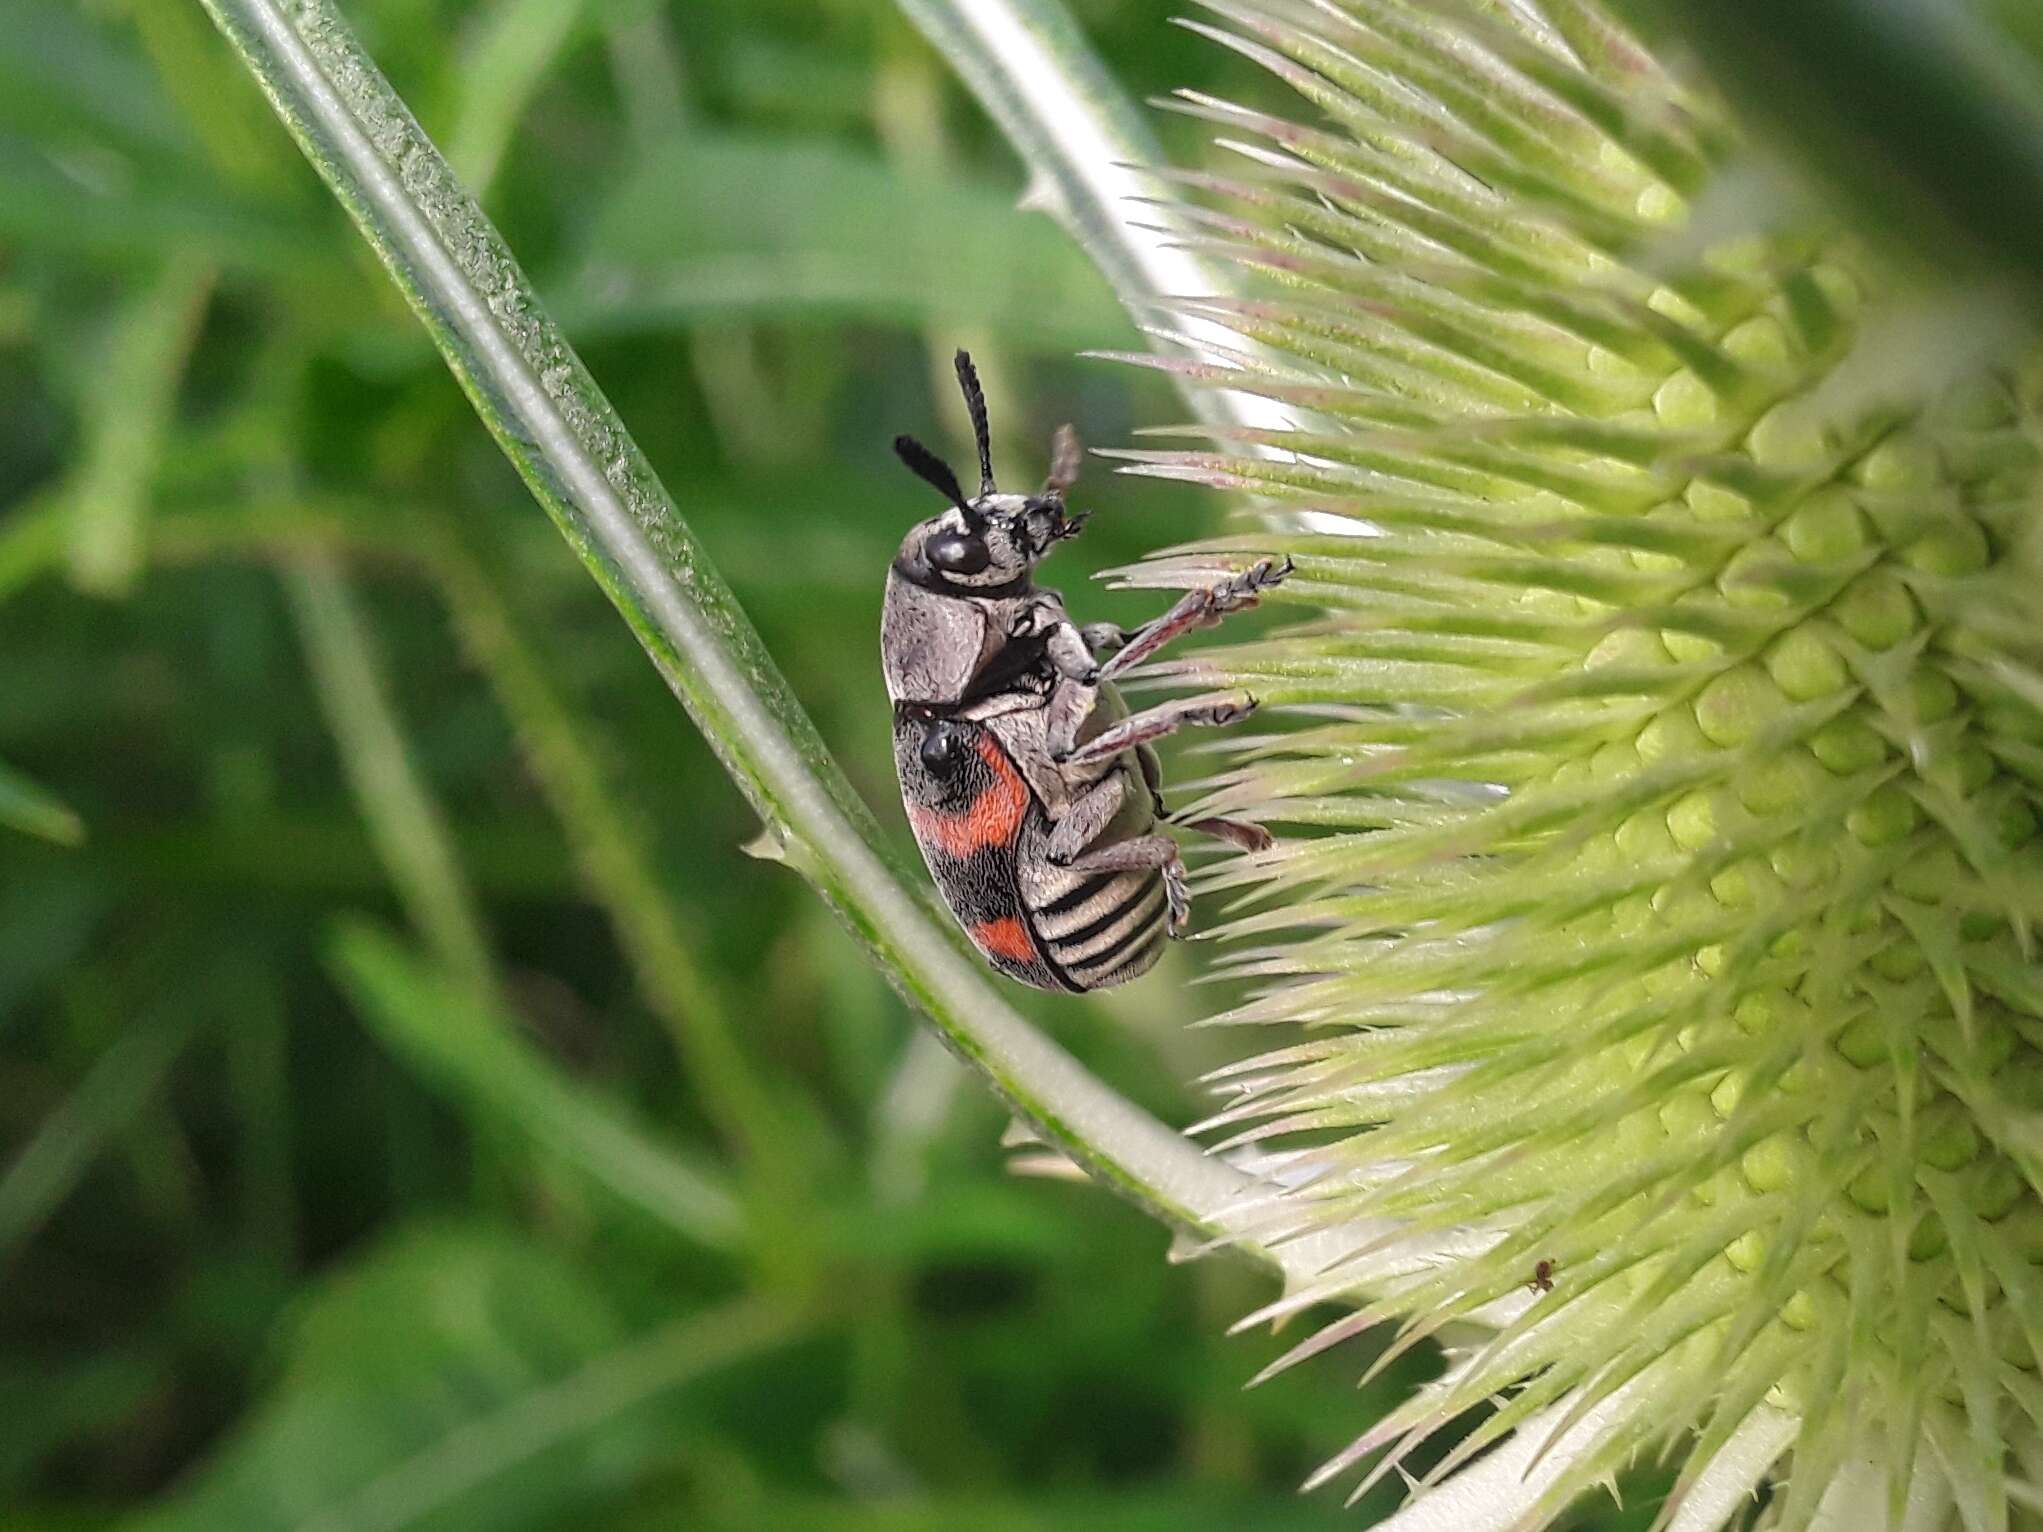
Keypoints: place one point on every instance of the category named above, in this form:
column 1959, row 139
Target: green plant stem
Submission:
column 1083, row 141
column 1087, row 150
column 556, row 427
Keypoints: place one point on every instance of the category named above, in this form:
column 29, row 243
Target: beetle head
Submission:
column 988, row 542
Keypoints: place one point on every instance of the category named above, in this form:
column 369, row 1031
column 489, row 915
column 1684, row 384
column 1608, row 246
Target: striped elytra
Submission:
column 984, row 836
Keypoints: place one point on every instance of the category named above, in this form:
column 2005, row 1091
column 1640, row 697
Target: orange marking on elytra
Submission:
column 1006, row 937
column 994, row 818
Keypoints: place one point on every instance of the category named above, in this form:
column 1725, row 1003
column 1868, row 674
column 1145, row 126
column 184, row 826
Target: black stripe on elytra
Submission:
column 1138, row 958
column 1064, row 903
column 1057, row 970
column 928, row 579
column 1106, row 962
column 1090, row 929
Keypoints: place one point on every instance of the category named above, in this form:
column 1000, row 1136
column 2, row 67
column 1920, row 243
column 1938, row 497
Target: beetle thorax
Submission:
column 932, row 644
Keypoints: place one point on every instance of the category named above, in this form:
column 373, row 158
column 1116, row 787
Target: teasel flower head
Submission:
column 1654, row 737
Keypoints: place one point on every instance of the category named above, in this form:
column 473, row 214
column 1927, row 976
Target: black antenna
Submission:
column 975, row 404
column 931, row 469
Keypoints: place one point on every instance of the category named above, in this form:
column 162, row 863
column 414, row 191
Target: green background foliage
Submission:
column 418, row 1111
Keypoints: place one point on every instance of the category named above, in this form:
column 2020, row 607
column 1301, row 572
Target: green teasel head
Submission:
column 1647, row 970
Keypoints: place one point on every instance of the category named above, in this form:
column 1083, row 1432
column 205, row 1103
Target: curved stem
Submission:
column 1087, row 149
column 557, row 428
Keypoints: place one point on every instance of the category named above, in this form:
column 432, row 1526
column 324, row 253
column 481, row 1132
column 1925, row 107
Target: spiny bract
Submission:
column 1659, row 857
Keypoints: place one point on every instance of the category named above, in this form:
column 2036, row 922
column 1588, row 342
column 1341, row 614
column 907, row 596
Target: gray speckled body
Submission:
column 1032, row 792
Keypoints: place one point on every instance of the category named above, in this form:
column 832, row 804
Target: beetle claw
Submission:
column 1178, row 897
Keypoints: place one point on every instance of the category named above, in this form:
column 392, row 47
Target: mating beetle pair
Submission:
column 1032, row 792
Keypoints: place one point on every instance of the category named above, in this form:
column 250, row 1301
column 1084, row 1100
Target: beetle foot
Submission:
column 1242, row 591
column 1266, row 573
column 1234, row 710
column 1178, row 896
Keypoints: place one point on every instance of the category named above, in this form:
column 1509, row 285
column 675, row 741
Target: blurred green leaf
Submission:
column 111, row 209
column 1926, row 115
column 227, row 117
column 114, row 1089
column 515, row 45
column 459, row 1377
column 127, row 414
column 566, row 755
column 43, row 1408
column 445, row 1032
column 329, row 856
column 65, row 79
column 31, row 540
column 46, row 924
column 404, row 820
column 26, row 805
column 716, row 226
column 791, row 78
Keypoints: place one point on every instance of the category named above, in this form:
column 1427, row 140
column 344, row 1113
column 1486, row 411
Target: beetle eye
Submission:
column 957, row 553
column 942, row 749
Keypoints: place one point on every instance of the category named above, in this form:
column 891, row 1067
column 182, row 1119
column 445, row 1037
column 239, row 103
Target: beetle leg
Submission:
column 1068, row 652
column 1070, row 845
column 1198, row 609
column 1071, row 657
column 1085, row 821
column 1236, row 832
column 1155, row 723
column 1155, row 850
column 1071, row 703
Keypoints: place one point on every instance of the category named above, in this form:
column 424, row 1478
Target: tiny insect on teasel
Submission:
column 1033, row 793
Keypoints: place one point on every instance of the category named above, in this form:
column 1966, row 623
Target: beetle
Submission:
column 1033, row 794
